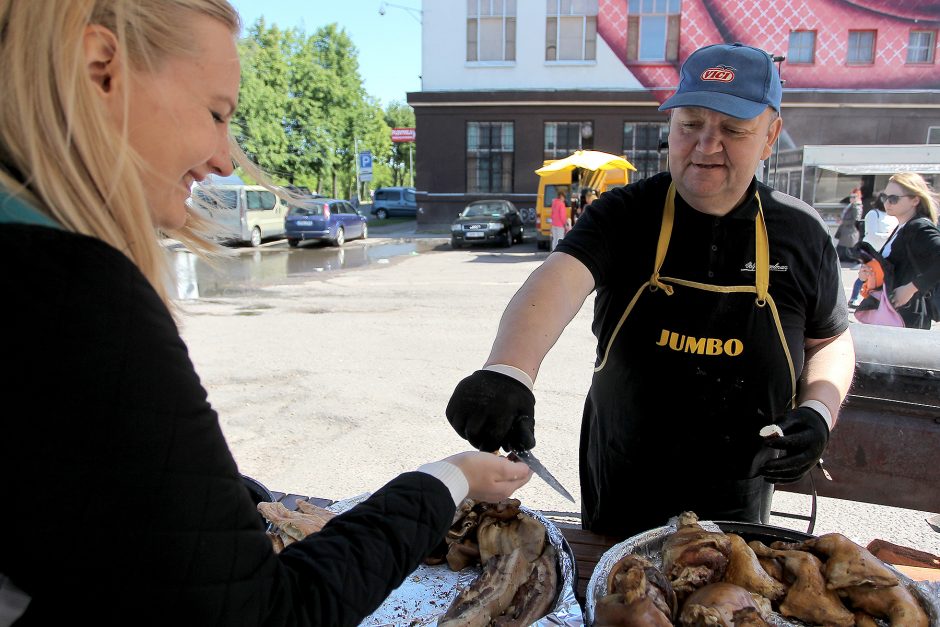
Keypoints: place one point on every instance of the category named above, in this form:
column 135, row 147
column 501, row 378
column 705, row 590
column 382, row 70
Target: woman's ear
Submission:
column 101, row 62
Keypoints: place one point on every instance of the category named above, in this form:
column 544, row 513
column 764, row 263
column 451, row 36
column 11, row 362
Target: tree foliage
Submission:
column 400, row 115
column 303, row 110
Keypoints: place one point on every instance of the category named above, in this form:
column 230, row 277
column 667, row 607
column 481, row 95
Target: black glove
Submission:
column 805, row 435
column 490, row 410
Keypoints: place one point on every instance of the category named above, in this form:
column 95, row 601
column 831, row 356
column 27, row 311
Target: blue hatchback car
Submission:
column 324, row 220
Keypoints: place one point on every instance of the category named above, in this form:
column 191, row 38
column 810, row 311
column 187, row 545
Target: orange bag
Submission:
column 876, row 279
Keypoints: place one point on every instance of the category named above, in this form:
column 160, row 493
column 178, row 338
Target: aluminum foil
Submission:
column 650, row 543
column 427, row 592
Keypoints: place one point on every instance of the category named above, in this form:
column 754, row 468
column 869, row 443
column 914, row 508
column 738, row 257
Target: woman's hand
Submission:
column 864, row 272
column 490, row 477
column 902, row 295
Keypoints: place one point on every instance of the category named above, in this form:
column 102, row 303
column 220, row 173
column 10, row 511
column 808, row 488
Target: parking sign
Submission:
column 365, row 165
column 365, row 162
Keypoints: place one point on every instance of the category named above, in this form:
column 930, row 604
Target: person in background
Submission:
column 912, row 250
column 559, row 218
column 878, row 227
column 590, row 197
column 137, row 513
column 725, row 313
column 847, row 235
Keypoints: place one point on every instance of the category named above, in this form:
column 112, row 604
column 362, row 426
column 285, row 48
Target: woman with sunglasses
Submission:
column 913, row 249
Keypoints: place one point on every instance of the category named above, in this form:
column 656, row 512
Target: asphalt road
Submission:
column 329, row 382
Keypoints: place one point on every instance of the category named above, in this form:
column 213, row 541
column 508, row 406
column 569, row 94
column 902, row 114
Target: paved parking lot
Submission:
column 331, row 385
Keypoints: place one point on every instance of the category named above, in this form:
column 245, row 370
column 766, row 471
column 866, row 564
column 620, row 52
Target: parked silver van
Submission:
column 244, row 213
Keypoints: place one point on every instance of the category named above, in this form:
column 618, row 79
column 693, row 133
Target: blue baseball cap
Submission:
column 734, row 79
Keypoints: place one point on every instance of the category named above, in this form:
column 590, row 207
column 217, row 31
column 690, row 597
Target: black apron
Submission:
column 691, row 373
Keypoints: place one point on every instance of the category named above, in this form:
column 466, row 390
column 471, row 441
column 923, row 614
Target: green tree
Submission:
column 304, row 110
column 400, row 115
column 263, row 98
column 357, row 118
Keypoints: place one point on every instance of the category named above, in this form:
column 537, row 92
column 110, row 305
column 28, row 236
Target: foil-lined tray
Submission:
column 427, row 593
column 650, row 543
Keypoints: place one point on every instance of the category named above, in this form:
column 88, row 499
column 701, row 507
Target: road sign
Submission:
column 403, row 135
column 365, row 165
column 365, row 162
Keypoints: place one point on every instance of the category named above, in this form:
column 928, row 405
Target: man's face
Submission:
column 713, row 157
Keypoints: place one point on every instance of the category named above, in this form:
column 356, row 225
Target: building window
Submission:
column 563, row 138
column 802, row 47
column 571, row 30
column 921, row 45
column 491, row 30
column 861, row 47
column 489, row 156
column 641, row 142
column 653, row 30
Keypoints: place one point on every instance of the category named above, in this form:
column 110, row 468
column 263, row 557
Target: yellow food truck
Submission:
column 584, row 169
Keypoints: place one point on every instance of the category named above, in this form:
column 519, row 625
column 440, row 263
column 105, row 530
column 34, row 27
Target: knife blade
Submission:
column 530, row 460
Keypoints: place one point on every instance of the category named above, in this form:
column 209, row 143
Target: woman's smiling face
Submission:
column 177, row 117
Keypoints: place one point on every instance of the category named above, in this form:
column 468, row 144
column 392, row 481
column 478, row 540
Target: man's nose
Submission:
column 709, row 142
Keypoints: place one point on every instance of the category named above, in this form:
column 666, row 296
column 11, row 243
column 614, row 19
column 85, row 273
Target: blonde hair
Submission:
column 59, row 151
column 916, row 185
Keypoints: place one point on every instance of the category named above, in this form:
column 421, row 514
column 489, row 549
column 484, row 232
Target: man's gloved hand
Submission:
column 492, row 410
column 805, row 435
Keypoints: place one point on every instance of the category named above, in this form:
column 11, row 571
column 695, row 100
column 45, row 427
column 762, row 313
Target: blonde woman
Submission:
column 123, row 503
column 912, row 250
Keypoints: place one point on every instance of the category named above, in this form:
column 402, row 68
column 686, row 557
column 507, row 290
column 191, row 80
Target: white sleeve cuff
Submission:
column 450, row 476
column 511, row 371
column 822, row 409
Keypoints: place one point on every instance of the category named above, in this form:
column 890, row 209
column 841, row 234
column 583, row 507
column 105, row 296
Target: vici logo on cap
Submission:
column 722, row 74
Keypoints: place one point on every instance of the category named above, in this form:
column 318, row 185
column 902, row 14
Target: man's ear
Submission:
column 773, row 132
column 101, row 62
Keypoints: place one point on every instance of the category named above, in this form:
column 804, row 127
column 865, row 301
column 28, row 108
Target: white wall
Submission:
column 444, row 52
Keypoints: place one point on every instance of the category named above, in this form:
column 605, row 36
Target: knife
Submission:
column 530, row 460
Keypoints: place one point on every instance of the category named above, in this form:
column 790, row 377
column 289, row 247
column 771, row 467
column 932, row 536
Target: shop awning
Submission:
column 882, row 168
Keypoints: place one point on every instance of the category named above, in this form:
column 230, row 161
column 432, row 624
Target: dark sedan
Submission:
column 487, row 222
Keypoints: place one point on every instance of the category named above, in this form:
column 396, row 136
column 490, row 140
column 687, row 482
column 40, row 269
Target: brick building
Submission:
column 507, row 84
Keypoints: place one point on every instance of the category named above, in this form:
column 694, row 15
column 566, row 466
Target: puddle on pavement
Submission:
column 249, row 270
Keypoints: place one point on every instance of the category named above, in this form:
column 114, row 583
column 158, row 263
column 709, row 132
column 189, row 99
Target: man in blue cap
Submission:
column 719, row 311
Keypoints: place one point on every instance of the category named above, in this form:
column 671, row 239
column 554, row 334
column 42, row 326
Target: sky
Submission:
column 389, row 45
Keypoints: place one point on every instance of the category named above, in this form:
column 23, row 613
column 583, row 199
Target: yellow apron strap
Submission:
column 665, row 232
column 761, row 241
column 762, row 254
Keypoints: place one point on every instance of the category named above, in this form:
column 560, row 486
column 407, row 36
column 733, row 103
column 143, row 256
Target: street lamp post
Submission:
column 413, row 12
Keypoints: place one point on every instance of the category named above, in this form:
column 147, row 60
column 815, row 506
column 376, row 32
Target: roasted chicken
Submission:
column 693, row 557
column 745, row 570
column 896, row 604
column 644, row 595
column 807, row 598
column 718, row 605
column 612, row 610
column 848, row 564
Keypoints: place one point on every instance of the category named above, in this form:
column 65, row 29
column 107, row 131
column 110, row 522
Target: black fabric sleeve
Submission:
column 924, row 250
column 612, row 236
column 131, row 508
column 346, row 571
column 828, row 313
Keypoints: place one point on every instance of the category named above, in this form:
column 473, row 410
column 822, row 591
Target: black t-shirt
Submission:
column 123, row 504
column 616, row 240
